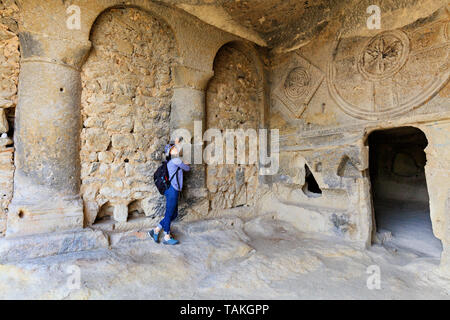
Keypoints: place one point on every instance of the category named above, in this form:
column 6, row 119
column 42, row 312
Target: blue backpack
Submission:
column 161, row 178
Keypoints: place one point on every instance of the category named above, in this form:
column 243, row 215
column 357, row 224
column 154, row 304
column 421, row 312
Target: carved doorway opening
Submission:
column 399, row 191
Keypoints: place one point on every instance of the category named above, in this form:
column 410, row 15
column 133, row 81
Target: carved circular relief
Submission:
column 381, row 82
column 297, row 83
column 384, row 55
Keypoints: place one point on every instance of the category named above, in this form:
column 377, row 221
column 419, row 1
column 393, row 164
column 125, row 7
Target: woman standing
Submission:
column 175, row 167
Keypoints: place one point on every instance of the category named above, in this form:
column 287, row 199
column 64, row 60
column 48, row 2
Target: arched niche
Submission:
column 128, row 85
column 235, row 100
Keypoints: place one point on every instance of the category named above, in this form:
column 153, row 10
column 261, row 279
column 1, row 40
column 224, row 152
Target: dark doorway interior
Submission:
column 399, row 190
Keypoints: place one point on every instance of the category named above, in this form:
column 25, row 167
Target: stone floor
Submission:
column 410, row 226
column 228, row 258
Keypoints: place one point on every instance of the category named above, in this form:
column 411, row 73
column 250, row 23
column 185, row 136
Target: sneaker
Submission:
column 154, row 235
column 171, row 242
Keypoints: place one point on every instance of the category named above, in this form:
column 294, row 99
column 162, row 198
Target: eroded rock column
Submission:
column 188, row 108
column 47, row 139
column 437, row 172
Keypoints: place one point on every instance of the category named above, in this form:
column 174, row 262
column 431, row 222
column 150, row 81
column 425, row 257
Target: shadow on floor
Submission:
column 410, row 226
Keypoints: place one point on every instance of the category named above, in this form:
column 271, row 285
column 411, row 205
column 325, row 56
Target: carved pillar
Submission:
column 188, row 106
column 47, row 138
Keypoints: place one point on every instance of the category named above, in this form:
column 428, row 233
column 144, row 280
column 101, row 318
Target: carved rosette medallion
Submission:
column 384, row 55
column 296, row 84
column 392, row 73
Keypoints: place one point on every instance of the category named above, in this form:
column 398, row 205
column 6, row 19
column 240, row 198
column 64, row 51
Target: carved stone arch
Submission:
column 128, row 87
column 249, row 50
column 187, row 30
column 251, row 53
column 235, row 100
column 144, row 6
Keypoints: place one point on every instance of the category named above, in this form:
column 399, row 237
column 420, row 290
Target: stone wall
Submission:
column 127, row 90
column 329, row 95
column 9, row 64
column 233, row 103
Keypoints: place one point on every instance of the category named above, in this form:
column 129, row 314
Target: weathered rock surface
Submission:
column 228, row 259
column 29, row 247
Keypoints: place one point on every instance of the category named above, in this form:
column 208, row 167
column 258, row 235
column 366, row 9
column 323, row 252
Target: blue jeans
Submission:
column 171, row 209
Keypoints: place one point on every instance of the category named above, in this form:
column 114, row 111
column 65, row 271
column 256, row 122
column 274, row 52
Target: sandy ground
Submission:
column 230, row 259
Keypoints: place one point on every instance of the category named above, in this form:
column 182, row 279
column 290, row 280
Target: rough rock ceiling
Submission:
column 280, row 22
column 288, row 24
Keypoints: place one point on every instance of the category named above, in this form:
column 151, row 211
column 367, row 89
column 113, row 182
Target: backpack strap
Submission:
column 170, row 180
column 178, row 183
